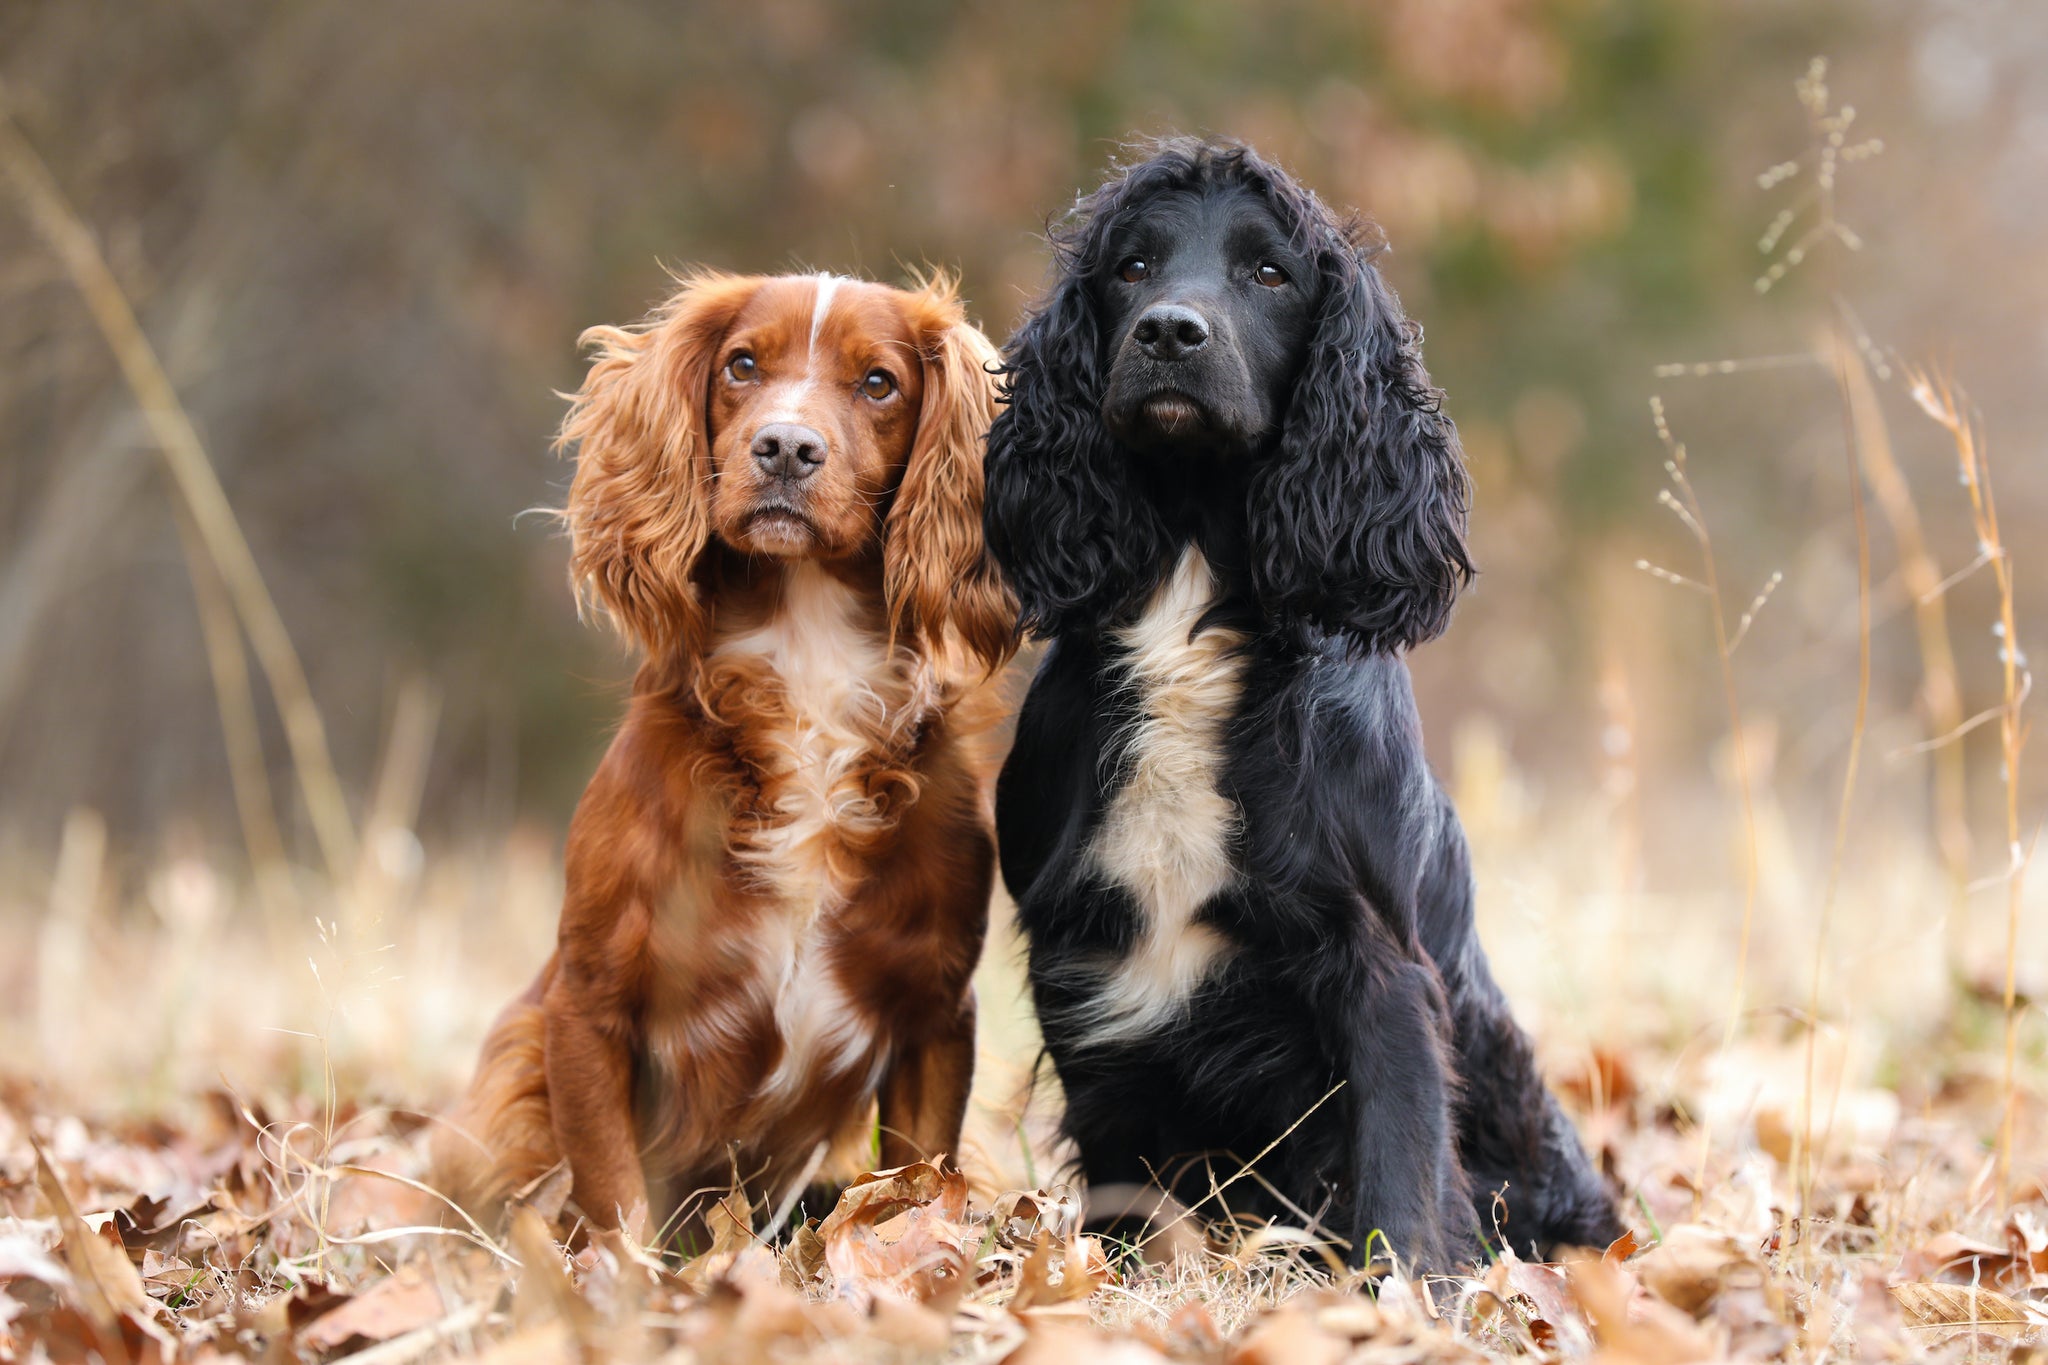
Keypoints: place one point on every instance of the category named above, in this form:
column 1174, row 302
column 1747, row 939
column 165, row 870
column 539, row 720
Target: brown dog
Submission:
column 778, row 879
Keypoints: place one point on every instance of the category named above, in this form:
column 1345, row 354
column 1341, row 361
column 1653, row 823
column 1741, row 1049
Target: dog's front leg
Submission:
column 924, row 1094
column 590, row 1101
column 1396, row 1066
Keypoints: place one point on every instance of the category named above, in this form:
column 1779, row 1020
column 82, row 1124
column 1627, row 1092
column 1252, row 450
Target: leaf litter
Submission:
column 236, row 1232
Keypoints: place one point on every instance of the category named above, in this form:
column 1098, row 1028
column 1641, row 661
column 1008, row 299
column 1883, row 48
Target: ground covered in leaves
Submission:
column 223, row 1229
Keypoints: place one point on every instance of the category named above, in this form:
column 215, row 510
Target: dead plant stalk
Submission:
column 1685, row 504
column 1938, row 397
column 192, row 473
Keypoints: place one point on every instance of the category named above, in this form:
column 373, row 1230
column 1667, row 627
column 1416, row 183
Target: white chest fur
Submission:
column 839, row 689
column 1167, row 834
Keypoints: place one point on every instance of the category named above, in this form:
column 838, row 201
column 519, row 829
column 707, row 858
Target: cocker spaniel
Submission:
column 1225, row 492
column 778, row 880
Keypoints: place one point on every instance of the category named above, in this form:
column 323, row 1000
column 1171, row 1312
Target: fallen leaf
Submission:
column 1956, row 1259
column 730, row 1221
column 909, row 1325
column 1056, row 1273
column 1690, row 1266
column 1645, row 1332
column 1289, row 1335
column 543, row 1293
column 1053, row 1341
column 899, row 1231
column 393, row 1306
column 103, row 1278
column 1545, row 1301
column 1950, row 1305
column 1621, row 1248
column 1192, row 1331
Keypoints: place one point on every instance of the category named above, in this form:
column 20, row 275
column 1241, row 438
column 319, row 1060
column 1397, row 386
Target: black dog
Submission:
column 1226, row 492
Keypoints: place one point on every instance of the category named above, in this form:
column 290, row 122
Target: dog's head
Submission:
column 1212, row 321
column 786, row 418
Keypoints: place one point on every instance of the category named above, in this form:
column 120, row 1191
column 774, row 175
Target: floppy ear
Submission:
column 1357, row 523
column 1073, row 536
column 935, row 565
column 639, row 505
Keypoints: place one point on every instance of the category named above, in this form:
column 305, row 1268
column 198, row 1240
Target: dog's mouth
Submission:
column 778, row 528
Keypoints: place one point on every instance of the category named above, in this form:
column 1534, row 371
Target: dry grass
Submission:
column 209, row 1081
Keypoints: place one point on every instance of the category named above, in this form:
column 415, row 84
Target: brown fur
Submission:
column 778, row 877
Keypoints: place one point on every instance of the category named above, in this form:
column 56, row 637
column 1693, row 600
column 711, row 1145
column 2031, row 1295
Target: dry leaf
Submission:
column 104, row 1280
column 1690, row 1266
column 899, row 1231
column 1289, row 1335
column 544, row 1292
column 1055, row 1273
column 1644, row 1332
column 1545, row 1301
column 730, row 1221
column 393, row 1306
column 1192, row 1331
column 1950, row 1305
column 1956, row 1259
column 909, row 1325
column 1056, row 1341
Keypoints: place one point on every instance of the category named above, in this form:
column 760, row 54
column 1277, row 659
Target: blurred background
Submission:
column 364, row 237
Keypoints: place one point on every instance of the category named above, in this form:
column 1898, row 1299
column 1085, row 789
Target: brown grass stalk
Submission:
column 1828, row 130
column 1683, row 501
column 1852, row 448
column 213, row 518
column 1941, row 690
column 248, row 776
column 1938, row 397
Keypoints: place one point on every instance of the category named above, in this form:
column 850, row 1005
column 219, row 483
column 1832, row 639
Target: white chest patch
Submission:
column 834, row 675
column 1166, row 836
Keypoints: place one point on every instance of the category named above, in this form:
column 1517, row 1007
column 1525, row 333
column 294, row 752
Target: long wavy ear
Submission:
column 1357, row 524
column 639, row 505
column 935, row 565
column 1072, row 535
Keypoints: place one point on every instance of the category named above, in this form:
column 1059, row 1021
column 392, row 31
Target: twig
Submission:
column 1217, row 1189
column 192, row 473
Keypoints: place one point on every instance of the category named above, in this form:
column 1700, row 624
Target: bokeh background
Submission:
column 364, row 238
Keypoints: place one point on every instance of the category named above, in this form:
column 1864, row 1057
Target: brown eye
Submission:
column 741, row 368
column 1133, row 270
column 1272, row 276
column 878, row 385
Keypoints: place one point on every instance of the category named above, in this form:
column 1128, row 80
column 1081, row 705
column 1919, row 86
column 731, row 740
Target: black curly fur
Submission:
column 1335, row 533
column 1357, row 522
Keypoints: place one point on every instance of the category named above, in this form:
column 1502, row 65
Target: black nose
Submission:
column 785, row 450
column 1171, row 331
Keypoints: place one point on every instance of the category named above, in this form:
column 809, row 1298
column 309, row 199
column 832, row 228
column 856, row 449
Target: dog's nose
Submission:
column 785, row 450
column 1171, row 331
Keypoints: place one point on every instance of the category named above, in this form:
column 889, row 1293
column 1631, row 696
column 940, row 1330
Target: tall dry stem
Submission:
column 247, row 774
column 1941, row 691
column 67, row 236
column 1683, row 502
column 1938, row 397
column 1826, row 234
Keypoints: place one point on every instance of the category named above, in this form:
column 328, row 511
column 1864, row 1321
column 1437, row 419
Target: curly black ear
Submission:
column 1059, row 513
column 1357, row 523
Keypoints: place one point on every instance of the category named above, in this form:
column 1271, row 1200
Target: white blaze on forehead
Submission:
column 828, row 285
column 790, row 408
